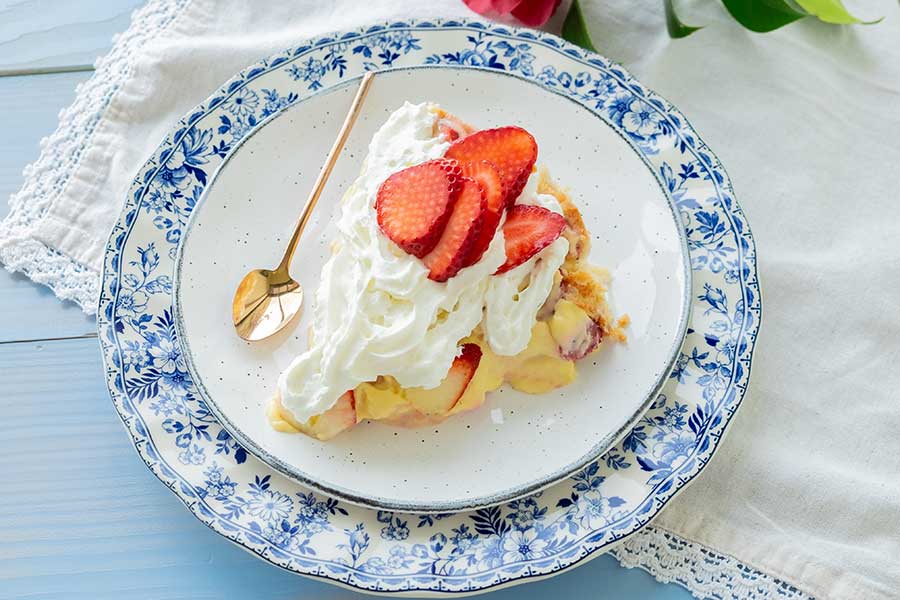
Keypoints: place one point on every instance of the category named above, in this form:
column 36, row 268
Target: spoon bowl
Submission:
column 264, row 302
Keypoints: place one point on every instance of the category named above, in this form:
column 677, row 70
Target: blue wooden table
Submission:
column 80, row 515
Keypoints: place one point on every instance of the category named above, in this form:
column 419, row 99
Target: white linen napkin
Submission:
column 803, row 497
column 807, row 122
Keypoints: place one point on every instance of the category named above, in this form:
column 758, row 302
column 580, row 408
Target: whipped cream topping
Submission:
column 514, row 298
column 376, row 313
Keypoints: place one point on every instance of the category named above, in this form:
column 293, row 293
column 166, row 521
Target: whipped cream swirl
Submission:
column 376, row 313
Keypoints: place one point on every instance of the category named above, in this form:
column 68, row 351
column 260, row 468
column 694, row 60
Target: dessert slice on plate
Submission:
column 458, row 267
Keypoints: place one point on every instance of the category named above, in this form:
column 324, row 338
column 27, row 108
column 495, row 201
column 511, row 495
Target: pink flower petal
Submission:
column 480, row 6
column 535, row 13
column 506, row 6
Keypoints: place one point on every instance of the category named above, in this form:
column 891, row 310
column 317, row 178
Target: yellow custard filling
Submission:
column 536, row 370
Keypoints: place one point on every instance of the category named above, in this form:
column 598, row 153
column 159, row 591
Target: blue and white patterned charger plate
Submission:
column 276, row 518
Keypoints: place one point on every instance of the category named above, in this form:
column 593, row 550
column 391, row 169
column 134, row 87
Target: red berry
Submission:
column 451, row 128
column 451, row 167
column 448, row 132
column 413, row 205
column 438, row 401
column 528, row 230
column 488, row 177
column 511, row 149
column 459, row 235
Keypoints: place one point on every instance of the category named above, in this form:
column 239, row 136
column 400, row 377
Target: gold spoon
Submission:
column 266, row 301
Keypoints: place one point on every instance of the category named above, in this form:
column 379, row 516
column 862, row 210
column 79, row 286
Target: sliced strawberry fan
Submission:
column 446, row 211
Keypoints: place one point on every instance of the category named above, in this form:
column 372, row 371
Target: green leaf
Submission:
column 676, row 28
column 831, row 11
column 763, row 15
column 575, row 30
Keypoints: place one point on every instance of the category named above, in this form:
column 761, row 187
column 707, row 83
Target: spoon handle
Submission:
column 319, row 185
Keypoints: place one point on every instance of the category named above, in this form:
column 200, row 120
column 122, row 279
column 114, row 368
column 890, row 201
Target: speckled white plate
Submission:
column 515, row 444
column 244, row 499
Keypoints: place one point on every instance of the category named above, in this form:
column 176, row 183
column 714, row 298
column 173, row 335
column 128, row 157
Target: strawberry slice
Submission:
column 438, row 401
column 488, row 177
column 451, row 128
column 413, row 205
column 462, row 230
column 527, row 231
column 512, row 150
column 452, row 168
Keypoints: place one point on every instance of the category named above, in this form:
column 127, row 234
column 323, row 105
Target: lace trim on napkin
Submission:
column 45, row 179
column 703, row 571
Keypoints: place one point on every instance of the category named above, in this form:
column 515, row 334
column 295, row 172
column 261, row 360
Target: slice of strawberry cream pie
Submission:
column 458, row 267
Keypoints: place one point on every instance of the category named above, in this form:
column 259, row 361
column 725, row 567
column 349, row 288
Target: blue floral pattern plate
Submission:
column 241, row 498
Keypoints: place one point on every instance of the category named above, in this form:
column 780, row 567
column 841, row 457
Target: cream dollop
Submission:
column 377, row 313
column 514, row 298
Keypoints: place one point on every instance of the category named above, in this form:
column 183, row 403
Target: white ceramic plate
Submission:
column 515, row 444
column 282, row 521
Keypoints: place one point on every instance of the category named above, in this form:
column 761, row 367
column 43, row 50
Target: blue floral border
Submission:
column 178, row 438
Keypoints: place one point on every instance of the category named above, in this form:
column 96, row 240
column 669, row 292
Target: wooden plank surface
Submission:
column 54, row 34
column 82, row 517
column 29, row 311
